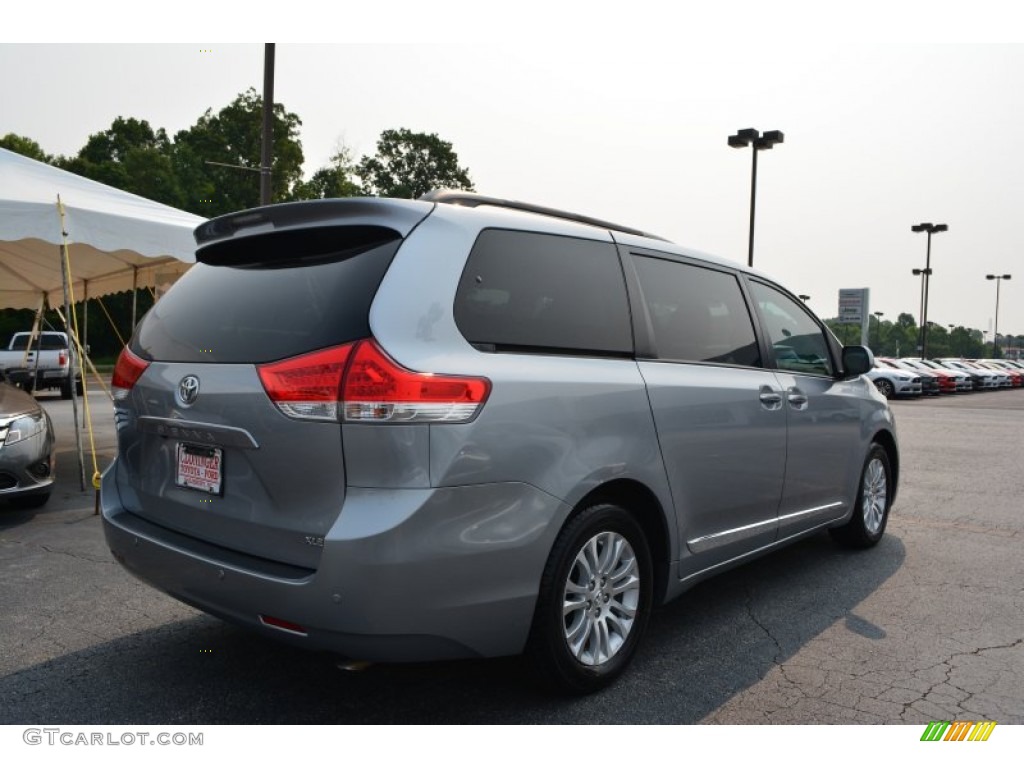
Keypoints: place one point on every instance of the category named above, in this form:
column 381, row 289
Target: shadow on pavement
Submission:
column 700, row 651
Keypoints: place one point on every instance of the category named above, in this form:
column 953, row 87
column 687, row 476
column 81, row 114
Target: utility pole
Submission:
column 268, row 124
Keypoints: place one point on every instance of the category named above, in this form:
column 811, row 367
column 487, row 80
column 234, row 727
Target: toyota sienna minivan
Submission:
column 406, row 430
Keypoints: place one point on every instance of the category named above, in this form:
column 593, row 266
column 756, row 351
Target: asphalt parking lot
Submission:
column 928, row 625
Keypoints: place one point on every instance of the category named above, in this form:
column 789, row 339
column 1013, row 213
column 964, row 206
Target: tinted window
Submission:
column 797, row 340
column 255, row 314
column 525, row 291
column 697, row 314
column 49, row 341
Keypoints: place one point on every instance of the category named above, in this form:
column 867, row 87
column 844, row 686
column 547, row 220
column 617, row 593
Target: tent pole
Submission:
column 35, row 339
column 85, row 311
column 85, row 335
column 135, row 297
column 71, row 361
column 65, row 273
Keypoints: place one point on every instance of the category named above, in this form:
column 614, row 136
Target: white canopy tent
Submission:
column 116, row 240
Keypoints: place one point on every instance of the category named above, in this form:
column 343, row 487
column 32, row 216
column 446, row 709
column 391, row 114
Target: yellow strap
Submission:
column 112, row 323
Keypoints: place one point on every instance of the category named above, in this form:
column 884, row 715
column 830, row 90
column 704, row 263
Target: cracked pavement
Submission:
column 928, row 625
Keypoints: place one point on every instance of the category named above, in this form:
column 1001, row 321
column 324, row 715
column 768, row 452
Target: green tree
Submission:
column 130, row 155
column 24, row 146
column 905, row 335
column 411, row 164
column 233, row 137
column 338, row 179
column 939, row 342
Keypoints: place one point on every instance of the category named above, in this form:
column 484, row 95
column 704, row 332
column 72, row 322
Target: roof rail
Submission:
column 472, row 200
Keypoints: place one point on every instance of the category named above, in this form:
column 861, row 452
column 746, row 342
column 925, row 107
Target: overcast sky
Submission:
column 877, row 136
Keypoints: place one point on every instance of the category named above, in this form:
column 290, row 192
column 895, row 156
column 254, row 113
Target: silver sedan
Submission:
column 26, row 449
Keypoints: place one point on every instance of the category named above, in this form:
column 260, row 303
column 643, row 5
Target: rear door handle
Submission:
column 796, row 398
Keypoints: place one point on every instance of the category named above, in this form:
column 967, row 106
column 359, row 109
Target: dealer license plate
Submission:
column 199, row 468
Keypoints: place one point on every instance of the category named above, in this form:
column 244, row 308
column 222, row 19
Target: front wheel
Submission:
column 871, row 512
column 886, row 388
column 594, row 602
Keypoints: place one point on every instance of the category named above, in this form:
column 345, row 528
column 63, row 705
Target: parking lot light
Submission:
column 758, row 141
column 995, row 331
column 926, row 278
column 878, row 327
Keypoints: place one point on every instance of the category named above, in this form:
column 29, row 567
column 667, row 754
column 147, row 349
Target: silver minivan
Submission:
column 466, row 427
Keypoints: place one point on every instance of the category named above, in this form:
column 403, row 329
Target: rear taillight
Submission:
column 376, row 388
column 370, row 387
column 309, row 386
column 127, row 371
column 62, row 358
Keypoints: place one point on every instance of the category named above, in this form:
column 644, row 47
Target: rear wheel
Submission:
column 871, row 512
column 594, row 602
column 65, row 389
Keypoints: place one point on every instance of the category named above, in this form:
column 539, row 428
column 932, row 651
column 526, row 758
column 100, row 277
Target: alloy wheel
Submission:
column 874, row 495
column 601, row 598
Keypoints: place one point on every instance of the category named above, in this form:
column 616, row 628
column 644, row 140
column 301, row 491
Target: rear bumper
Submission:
column 405, row 575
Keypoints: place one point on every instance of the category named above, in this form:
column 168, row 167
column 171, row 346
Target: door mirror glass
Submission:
column 857, row 360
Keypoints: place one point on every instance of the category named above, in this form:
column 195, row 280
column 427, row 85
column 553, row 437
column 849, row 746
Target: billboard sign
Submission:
column 853, row 305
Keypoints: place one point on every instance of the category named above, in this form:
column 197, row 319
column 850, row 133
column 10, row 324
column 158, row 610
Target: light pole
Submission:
column 995, row 331
column 759, row 141
column 920, row 304
column 927, row 273
column 878, row 327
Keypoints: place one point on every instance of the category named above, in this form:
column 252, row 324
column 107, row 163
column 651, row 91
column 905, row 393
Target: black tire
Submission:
column 30, row 502
column 886, row 388
column 591, row 667
column 65, row 389
column 78, row 387
column 874, row 498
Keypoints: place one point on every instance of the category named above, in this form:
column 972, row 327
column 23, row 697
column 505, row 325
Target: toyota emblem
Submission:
column 188, row 390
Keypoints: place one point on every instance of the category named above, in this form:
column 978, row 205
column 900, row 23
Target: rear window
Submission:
column 697, row 314
column 526, row 291
column 49, row 341
column 267, row 310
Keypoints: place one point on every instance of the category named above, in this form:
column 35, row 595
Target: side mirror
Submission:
column 857, row 360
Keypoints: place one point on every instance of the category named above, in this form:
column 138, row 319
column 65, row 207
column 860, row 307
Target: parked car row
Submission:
column 911, row 377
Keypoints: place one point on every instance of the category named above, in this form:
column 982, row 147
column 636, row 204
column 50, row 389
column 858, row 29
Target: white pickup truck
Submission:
column 47, row 363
